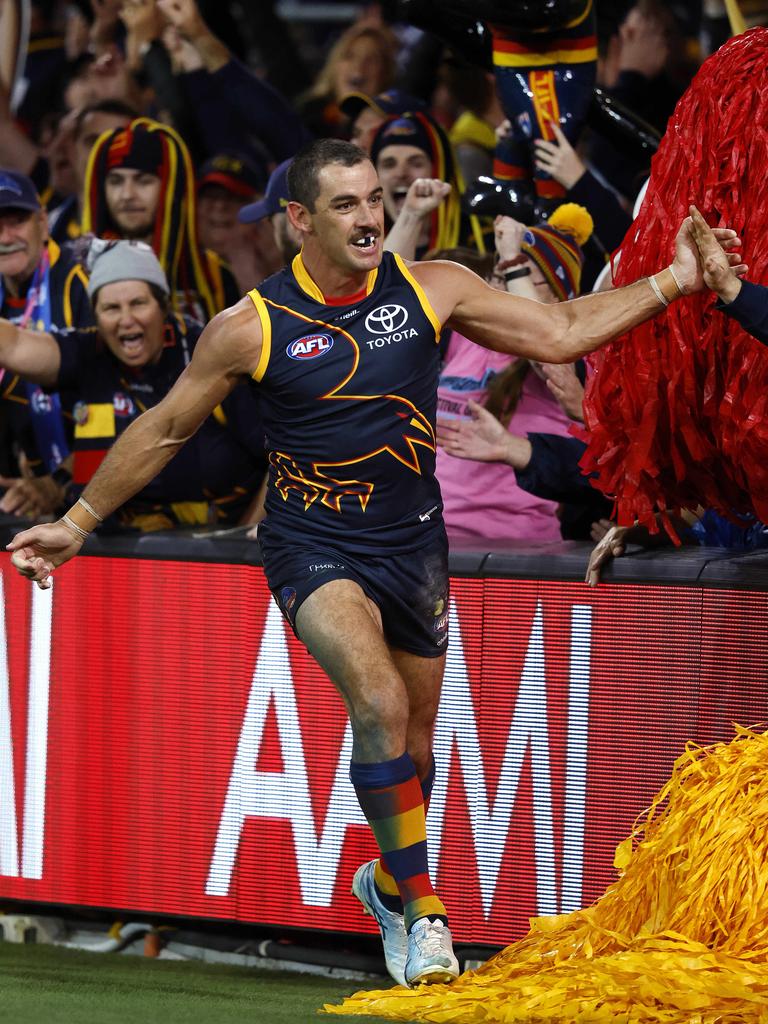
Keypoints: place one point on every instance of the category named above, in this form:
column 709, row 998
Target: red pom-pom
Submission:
column 674, row 410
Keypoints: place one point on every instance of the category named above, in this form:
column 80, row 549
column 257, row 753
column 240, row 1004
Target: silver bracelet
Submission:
column 657, row 291
column 674, row 278
column 90, row 509
column 72, row 525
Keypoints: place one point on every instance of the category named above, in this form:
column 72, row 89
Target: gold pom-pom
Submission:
column 680, row 938
column 574, row 220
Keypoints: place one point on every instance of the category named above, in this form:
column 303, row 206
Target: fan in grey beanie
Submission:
column 123, row 260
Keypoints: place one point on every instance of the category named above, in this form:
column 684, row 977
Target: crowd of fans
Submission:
column 143, row 163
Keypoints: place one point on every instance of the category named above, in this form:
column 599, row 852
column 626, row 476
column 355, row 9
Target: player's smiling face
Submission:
column 348, row 220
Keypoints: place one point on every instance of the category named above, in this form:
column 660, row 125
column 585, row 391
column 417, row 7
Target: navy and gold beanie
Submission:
column 555, row 247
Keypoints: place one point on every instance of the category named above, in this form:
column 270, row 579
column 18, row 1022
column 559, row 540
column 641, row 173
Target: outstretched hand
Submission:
column 687, row 266
column 719, row 273
column 37, row 552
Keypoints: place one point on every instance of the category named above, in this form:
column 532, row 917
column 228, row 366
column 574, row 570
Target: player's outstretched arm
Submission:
column 563, row 331
column 228, row 349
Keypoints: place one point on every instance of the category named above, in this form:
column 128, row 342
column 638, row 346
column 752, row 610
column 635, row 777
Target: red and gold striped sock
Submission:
column 392, row 800
column 383, row 878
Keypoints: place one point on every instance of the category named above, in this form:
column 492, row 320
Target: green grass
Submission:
column 49, row 985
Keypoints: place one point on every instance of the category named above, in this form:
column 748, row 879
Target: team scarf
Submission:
column 45, row 409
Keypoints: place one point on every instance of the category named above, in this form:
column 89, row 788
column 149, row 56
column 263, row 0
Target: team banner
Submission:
column 166, row 746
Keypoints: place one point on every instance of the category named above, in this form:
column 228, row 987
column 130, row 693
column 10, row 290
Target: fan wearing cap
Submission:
column 127, row 365
column 273, row 206
column 367, row 113
column 41, row 288
column 412, row 147
column 225, row 184
column 140, row 185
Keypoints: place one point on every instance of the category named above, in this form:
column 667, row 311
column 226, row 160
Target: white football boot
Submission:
column 391, row 924
column 430, row 958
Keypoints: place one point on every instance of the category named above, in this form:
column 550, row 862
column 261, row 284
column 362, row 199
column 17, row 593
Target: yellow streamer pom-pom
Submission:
column 574, row 220
column 680, row 938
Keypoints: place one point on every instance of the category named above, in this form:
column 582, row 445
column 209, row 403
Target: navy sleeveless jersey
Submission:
column 348, row 392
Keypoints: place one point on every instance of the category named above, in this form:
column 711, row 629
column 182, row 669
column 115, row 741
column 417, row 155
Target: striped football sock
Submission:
column 383, row 878
column 392, row 800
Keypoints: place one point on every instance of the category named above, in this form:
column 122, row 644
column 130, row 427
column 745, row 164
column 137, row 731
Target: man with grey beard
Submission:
column 41, row 288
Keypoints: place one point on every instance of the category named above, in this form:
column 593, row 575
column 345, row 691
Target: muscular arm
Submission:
column 557, row 333
column 228, row 349
column 562, row 332
column 33, row 355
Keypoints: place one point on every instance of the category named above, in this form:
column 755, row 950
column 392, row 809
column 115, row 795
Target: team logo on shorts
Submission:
column 288, row 600
column 310, row 346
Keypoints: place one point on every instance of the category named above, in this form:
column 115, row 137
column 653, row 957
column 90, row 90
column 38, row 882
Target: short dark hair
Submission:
column 113, row 106
column 304, row 172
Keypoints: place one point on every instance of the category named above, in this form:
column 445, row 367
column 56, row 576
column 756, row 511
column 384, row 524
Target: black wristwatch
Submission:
column 510, row 275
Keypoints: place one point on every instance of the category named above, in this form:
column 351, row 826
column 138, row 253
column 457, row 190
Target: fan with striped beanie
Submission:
column 555, row 247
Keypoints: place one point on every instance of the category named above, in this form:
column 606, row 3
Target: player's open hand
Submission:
column 687, row 264
column 37, row 552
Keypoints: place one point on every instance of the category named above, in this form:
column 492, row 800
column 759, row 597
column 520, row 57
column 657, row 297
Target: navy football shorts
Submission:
column 410, row 589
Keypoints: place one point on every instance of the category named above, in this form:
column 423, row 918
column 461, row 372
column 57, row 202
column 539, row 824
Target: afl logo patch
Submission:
column 310, row 347
column 123, row 404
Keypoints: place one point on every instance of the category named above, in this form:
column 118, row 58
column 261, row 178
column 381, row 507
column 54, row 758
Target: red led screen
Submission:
column 167, row 746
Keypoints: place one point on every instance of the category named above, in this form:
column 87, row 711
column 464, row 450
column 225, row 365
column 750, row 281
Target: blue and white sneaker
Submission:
column 391, row 925
column 430, row 958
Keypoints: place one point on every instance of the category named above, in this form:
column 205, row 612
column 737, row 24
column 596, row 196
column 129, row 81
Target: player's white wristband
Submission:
column 675, row 279
column 90, row 510
column 657, row 291
column 77, row 530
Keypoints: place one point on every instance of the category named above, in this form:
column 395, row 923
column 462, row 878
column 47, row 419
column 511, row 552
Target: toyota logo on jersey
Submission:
column 310, row 347
column 386, row 319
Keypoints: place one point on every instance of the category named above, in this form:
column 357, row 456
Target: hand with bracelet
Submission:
column 56, row 543
column 685, row 275
column 513, row 268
